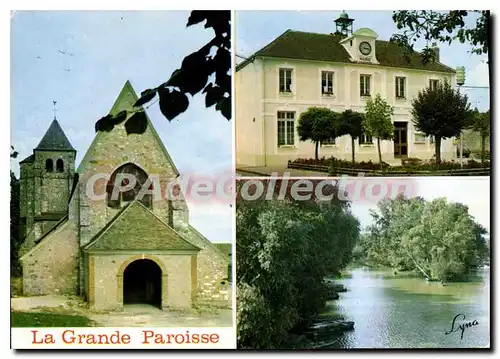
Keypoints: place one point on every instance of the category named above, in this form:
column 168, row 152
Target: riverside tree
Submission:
column 351, row 123
column 441, row 112
column 318, row 125
column 441, row 240
column 378, row 121
column 285, row 249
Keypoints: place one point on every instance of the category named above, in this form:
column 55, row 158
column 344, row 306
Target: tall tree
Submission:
column 441, row 26
column 481, row 123
column 351, row 123
column 206, row 70
column 378, row 121
column 441, row 112
column 318, row 125
column 15, row 240
column 285, row 249
column 439, row 239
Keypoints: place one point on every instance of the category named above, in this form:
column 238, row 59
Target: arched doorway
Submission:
column 142, row 283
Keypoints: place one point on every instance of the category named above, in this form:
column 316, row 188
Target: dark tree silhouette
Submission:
column 441, row 27
column 203, row 71
column 441, row 112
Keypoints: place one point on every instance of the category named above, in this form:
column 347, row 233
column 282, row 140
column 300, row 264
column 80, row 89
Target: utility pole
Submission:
column 460, row 82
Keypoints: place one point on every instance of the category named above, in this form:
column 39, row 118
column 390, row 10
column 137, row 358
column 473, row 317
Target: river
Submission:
column 405, row 311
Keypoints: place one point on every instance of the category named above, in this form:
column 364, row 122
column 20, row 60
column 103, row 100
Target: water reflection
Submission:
column 405, row 311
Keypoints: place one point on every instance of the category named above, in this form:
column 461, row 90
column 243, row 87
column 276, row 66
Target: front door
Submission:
column 400, row 139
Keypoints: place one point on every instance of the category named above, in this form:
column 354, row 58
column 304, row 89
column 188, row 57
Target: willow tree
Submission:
column 441, row 112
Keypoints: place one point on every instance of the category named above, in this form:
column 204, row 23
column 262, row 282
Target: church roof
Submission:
column 28, row 159
column 135, row 227
column 55, row 139
column 225, row 248
column 326, row 47
column 125, row 101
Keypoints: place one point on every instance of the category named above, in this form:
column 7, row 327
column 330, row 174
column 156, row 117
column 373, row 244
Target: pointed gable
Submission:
column 125, row 102
column 137, row 228
column 55, row 139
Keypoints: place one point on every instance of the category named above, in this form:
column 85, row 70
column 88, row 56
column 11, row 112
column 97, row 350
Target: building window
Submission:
column 286, row 128
column 118, row 193
column 433, row 84
column 49, row 165
column 365, row 140
column 364, row 83
column 60, row 165
column 285, row 80
column 419, row 137
column 401, row 87
column 327, row 82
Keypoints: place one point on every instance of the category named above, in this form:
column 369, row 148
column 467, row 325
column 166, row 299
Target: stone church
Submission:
column 114, row 250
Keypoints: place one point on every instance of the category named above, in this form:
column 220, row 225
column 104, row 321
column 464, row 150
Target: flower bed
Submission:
column 409, row 165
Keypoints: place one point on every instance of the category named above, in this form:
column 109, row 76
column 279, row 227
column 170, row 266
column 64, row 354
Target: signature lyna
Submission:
column 455, row 326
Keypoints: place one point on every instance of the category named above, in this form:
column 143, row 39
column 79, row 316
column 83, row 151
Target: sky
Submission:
column 474, row 192
column 103, row 50
column 256, row 29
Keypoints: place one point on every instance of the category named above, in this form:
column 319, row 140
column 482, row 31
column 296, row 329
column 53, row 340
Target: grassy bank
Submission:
column 23, row 320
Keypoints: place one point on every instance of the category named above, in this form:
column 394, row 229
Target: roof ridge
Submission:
column 107, row 226
column 166, row 224
column 210, row 243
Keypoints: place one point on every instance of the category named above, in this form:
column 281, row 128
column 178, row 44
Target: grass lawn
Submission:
column 23, row 319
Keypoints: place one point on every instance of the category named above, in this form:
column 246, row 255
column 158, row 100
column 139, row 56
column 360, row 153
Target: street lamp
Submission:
column 460, row 81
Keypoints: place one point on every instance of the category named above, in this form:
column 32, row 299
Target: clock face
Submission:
column 365, row 48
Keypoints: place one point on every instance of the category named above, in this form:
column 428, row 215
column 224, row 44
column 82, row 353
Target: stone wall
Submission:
column 52, row 266
column 106, row 279
column 212, row 269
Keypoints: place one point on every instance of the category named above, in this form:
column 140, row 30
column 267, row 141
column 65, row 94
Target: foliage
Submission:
column 439, row 239
column 481, row 123
column 441, row 112
column 15, row 240
column 411, row 164
column 204, row 70
column 351, row 123
column 378, row 121
column 285, row 249
column 441, row 27
column 318, row 125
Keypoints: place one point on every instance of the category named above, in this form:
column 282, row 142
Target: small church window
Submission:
column 117, row 198
column 49, row 165
column 60, row 165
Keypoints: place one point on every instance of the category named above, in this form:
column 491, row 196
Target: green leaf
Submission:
column 172, row 103
column 146, row 96
column 196, row 17
column 137, row 124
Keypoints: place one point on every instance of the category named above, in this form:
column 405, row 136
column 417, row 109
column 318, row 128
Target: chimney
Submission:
column 435, row 49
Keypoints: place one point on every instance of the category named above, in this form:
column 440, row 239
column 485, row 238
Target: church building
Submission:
column 80, row 239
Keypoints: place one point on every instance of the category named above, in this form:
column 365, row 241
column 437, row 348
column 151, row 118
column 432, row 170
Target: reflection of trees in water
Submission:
column 394, row 312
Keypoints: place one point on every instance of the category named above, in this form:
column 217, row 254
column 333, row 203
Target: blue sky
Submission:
column 108, row 49
column 255, row 29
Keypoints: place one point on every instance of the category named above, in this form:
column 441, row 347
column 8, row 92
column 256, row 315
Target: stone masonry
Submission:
column 78, row 242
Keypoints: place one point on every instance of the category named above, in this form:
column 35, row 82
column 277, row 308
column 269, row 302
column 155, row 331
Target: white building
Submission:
column 340, row 71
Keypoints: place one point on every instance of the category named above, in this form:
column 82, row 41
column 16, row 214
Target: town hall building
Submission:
column 338, row 71
column 79, row 239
